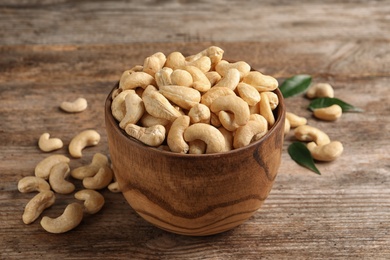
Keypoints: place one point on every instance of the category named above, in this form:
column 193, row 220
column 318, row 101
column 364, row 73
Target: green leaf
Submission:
column 295, row 85
column 326, row 102
column 301, row 155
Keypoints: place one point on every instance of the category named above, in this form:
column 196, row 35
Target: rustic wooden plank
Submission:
column 342, row 214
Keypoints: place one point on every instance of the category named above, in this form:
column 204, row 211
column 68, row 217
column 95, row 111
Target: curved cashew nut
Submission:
column 82, row 140
column 214, row 93
column 327, row 152
column 230, row 80
column 184, row 97
column 76, row 106
column 223, row 67
column 175, row 139
column 213, row 52
column 265, row 109
column 310, row 133
column 272, row 98
column 330, row 113
column 209, row 134
column 43, row 168
column 154, row 63
column 37, row 205
column 70, row 218
column 234, row 104
column 57, row 179
column 197, row 147
column 248, row 133
column 182, row 78
column 134, row 110
column 93, row 200
column 228, row 120
column 32, row 183
column 163, row 77
column 118, row 105
column 152, row 136
column 199, row 113
column 157, row 105
column 100, row 180
column 260, row 81
column 320, row 90
column 134, row 79
column 200, row 81
column 114, row 187
column 295, row 120
column 48, row 144
column 99, row 160
column 176, row 60
column 248, row 93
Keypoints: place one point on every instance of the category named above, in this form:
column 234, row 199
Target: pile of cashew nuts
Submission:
column 319, row 143
column 52, row 176
column 196, row 104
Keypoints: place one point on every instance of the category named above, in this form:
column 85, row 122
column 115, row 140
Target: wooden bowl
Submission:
column 195, row 195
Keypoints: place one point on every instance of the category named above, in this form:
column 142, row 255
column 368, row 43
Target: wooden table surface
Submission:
column 57, row 50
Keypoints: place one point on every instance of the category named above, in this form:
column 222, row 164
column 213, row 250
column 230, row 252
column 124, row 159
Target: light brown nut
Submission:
column 175, row 138
column 32, row 183
column 273, row 99
column 118, row 106
column 47, row 144
column 78, row 105
column 295, row 120
column 182, row 78
column 200, row 81
column 157, row 105
column 228, row 120
column 248, row 93
column 57, row 179
column 223, row 66
column 330, row 113
column 230, row 79
column 100, row 180
column 43, row 168
column 215, row 92
column 152, row 136
column 287, row 126
column 199, row 113
column 310, row 133
column 233, row 104
column 114, row 187
column 99, row 160
column 209, row 134
column 184, row 97
column 37, row 205
column 213, row 77
column 93, row 200
column 70, row 218
column 81, row 140
column 163, row 77
column 245, row 134
column 265, row 109
column 260, row 81
column 328, row 152
column 133, row 80
column 320, row 90
column 154, row 63
column 197, row 147
column 213, row 52
column 228, row 135
column 134, row 110
column 175, row 60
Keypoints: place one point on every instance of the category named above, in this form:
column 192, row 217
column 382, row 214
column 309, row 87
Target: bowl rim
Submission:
column 280, row 111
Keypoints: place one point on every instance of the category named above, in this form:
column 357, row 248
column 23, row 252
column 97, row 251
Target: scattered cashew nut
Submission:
column 100, row 180
column 70, row 218
column 310, row 133
column 42, row 169
column 93, row 200
column 295, row 120
column 32, row 183
column 57, row 178
column 327, row 152
column 82, row 140
column 48, row 144
column 98, row 160
column 37, row 205
column 76, row 106
column 320, row 90
column 330, row 113
column 114, row 187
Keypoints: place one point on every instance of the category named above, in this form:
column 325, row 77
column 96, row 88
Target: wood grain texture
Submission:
column 342, row 214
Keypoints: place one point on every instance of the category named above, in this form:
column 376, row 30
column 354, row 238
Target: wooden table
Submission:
column 60, row 50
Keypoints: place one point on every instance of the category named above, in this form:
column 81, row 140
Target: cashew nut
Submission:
column 152, row 136
column 134, row 110
column 248, row 93
column 182, row 78
column 114, row 187
column 93, row 200
column 260, row 81
column 100, row 180
column 265, row 109
column 330, row 113
column 99, row 160
column 57, row 178
column 272, row 98
column 295, row 120
column 199, row 113
column 176, row 60
column 154, row 63
column 310, row 133
column 233, row 104
column 118, row 105
column 197, row 147
column 200, row 81
column 213, row 52
column 149, row 120
column 76, row 106
column 48, row 144
column 37, row 205
column 32, row 183
column 157, row 105
column 82, row 140
column 43, row 168
column 223, row 67
column 228, row 135
column 184, row 97
column 131, row 80
column 228, row 120
column 215, row 92
column 248, row 133
column 213, row 138
column 320, row 90
column 175, row 139
column 327, row 152
column 230, row 80
column 163, row 77
column 70, row 218
column 287, row 126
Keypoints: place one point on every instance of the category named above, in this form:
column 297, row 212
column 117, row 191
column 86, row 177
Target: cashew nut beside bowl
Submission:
column 70, row 218
column 82, row 140
column 310, row 133
column 98, row 160
column 93, row 200
column 48, row 144
column 330, row 113
column 57, row 179
column 76, row 106
column 42, row 169
column 37, row 205
column 327, row 152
